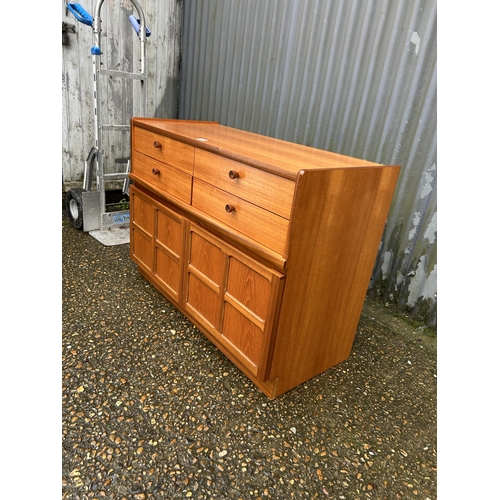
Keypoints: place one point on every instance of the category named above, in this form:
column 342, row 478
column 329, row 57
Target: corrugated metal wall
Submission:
column 355, row 77
column 121, row 98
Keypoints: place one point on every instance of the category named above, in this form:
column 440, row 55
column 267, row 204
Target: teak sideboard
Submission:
column 266, row 246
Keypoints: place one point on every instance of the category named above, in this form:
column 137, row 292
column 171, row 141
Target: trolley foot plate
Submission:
column 114, row 236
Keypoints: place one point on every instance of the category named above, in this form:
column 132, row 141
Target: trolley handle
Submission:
column 80, row 13
column 136, row 25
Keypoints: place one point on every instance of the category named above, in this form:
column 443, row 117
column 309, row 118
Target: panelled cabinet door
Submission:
column 205, row 277
column 168, row 248
column 234, row 297
column 157, row 241
column 141, row 228
column 250, row 302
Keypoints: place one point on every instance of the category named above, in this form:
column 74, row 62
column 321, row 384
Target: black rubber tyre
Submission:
column 74, row 207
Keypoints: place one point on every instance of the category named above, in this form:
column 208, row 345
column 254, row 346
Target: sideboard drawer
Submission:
column 261, row 225
column 163, row 176
column 162, row 148
column 261, row 188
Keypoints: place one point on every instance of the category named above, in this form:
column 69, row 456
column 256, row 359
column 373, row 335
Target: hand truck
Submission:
column 86, row 208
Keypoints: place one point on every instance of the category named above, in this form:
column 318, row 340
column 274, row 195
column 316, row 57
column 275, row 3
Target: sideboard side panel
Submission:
column 337, row 223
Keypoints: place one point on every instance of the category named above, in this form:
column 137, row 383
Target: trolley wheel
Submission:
column 74, row 207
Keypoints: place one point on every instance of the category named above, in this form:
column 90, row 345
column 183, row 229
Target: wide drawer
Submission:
column 162, row 148
column 163, row 176
column 261, row 188
column 255, row 222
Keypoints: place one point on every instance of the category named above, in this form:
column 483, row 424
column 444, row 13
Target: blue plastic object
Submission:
column 95, row 50
column 80, row 13
column 136, row 25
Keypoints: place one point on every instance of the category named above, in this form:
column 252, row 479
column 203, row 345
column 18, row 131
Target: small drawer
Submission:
column 261, row 225
column 162, row 148
column 162, row 176
column 261, row 188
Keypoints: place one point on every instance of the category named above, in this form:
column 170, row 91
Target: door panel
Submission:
column 203, row 301
column 141, row 228
column 249, row 287
column 168, row 271
column 143, row 212
column 169, row 250
column 169, row 231
column 207, row 257
column 243, row 334
column 205, row 274
column 142, row 248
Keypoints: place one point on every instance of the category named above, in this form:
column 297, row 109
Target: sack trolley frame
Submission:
column 86, row 208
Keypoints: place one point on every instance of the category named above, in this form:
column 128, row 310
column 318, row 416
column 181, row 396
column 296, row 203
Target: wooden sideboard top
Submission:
column 275, row 155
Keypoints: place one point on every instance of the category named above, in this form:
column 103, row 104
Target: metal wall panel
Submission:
column 120, row 97
column 356, row 77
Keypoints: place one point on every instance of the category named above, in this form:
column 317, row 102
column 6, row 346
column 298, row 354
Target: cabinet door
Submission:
column 234, row 297
column 157, row 241
column 141, row 228
column 168, row 250
column 205, row 275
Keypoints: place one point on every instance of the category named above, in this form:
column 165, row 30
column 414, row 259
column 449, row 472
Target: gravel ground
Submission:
column 152, row 410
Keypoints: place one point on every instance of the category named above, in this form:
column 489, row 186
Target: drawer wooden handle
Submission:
column 233, row 174
column 155, row 171
column 157, row 144
column 230, row 208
